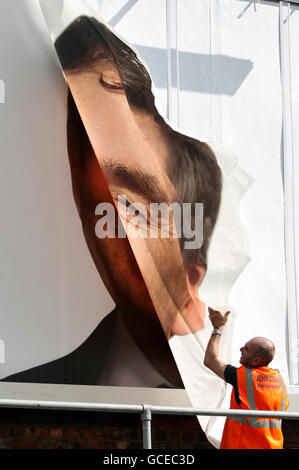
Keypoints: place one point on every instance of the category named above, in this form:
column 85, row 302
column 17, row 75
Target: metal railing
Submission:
column 146, row 411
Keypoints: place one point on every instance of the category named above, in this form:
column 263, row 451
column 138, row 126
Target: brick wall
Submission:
column 76, row 430
column 43, row 429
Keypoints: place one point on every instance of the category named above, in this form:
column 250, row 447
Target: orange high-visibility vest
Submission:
column 259, row 389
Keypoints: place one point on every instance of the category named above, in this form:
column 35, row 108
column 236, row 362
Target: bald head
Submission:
column 257, row 352
column 264, row 348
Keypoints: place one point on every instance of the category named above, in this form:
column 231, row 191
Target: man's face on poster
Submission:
column 120, row 155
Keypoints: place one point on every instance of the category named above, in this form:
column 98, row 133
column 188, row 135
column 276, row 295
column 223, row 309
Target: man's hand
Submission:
column 212, row 360
column 218, row 320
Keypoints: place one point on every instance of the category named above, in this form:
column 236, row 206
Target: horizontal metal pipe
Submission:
column 107, row 407
column 64, row 405
column 224, row 412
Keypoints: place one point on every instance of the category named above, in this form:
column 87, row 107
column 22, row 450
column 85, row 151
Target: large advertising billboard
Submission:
column 121, row 228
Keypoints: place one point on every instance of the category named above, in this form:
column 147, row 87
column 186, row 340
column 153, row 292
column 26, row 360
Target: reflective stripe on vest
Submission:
column 261, row 422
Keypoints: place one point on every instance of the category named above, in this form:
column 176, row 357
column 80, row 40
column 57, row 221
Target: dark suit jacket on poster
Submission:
column 109, row 356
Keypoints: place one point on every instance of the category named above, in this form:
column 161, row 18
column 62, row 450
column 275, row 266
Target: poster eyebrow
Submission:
column 143, row 183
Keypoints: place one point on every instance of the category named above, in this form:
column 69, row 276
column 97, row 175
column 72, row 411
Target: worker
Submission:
column 255, row 387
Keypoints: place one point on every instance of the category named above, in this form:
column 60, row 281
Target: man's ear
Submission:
column 194, row 274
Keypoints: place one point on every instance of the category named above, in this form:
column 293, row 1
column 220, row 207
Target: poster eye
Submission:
column 111, row 80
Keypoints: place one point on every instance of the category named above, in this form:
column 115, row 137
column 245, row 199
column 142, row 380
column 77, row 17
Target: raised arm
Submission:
column 211, row 359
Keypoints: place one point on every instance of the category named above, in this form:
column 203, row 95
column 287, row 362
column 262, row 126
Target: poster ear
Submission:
column 191, row 320
column 195, row 274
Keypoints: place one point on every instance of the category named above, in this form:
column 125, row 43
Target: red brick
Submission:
column 101, row 444
column 101, row 434
column 55, row 433
column 24, row 444
column 66, row 444
column 188, row 436
column 43, row 443
column 174, row 436
column 52, row 444
column 3, row 431
column 12, row 431
column 175, row 422
column 122, row 445
column 134, row 445
column 159, row 435
column 87, row 433
column 40, row 432
column 71, row 434
column 24, row 431
column 116, row 434
column 131, row 434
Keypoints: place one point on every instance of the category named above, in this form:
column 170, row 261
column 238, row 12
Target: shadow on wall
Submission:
column 202, row 73
column 198, row 72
